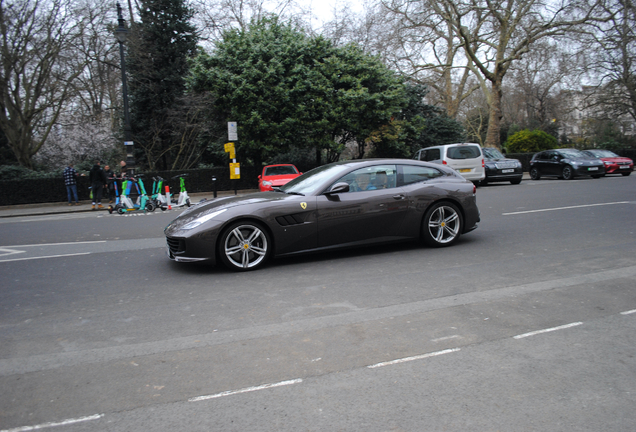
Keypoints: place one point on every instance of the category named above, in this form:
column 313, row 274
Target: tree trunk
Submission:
column 494, row 119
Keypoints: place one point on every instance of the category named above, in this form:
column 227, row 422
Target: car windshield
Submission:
column 602, row 153
column 492, row 153
column 280, row 170
column 311, row 182
column 572, row 154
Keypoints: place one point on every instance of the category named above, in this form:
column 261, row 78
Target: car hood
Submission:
column 584, row 161
column 233, row 205
column 616, row 159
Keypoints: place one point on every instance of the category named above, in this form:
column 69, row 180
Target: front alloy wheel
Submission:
column 442, row 225
column 244, row 246
column 568, row 174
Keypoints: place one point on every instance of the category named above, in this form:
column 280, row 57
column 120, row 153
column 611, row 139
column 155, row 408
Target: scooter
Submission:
column 184, row 198
column 158, row 198
column 126, row 204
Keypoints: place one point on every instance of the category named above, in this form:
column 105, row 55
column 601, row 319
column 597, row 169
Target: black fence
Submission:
column 197, row 180
column 31, row 191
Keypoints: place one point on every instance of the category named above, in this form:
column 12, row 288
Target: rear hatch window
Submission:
column 463, row 152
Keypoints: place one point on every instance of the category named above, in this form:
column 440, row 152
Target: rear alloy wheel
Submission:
column 442, row 225
column 244, row 246
column 568, row 174
column 534, row 174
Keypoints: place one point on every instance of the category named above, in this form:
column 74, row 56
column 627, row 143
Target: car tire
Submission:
column 625, row 174
column 442, row 225
column 244, row 246
column 515, row 182
column 534, row 174
column 567, row 173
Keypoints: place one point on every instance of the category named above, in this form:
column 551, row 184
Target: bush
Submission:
column 527, row 141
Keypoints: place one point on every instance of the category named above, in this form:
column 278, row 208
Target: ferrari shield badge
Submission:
column 303, row 205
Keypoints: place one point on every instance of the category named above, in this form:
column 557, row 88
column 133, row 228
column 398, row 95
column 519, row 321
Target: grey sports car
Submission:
column 343, row 204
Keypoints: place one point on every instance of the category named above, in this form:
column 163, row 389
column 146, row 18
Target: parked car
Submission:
column 565, row 164
column 499, row 168
column 276, row 175
column 614, row 164
column 343, row 204
column 465, row 158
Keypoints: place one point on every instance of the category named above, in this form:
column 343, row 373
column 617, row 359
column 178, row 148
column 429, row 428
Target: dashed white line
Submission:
column 628, row 312
column 245, row 390
column 418, row 357
column 564, row 208
column 525, row 335
column 446, row 338
column 54, row 424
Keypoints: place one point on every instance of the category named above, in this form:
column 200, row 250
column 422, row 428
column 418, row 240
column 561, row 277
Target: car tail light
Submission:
column 483, row 163
column 444, row 162
column 474, row 189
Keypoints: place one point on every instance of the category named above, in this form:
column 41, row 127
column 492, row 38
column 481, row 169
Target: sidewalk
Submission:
column 41, row 209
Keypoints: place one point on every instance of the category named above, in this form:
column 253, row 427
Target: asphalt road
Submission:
column 527, row 324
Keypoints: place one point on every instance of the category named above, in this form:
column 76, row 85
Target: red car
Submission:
column 614, row 164
column 276, row 175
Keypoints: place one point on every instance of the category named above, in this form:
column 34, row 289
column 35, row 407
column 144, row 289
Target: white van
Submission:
column 465, row 158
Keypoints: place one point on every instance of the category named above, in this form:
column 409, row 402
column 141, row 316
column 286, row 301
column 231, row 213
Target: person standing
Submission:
column 70, row 180
column 110, row 185
column 98, row 180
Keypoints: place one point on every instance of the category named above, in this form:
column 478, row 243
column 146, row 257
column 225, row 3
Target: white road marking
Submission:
column 245, row 390
column 564, row 208
column 53, row 424
column 7, row 251
column 49, row 256
column 418, row 357
column 521, row 336
column 57, row 244
column 446, row 338
column 628, row 312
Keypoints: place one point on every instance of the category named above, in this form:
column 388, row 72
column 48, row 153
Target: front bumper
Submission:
column 589, row 170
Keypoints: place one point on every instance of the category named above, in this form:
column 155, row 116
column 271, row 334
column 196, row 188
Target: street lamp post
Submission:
column 121, row 33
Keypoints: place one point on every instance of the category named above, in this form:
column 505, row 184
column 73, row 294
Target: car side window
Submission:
column 412, row 174
column 431, row 155
column 371, row 178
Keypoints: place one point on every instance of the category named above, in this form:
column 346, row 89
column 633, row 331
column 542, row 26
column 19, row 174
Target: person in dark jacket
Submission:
column 98, row 180
column 110, row 185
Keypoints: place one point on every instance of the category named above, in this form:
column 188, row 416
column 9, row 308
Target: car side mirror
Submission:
column 340, row 187
column 260, row 177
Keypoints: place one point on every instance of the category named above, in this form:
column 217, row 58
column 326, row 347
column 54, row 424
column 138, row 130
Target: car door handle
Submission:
column 399, row 197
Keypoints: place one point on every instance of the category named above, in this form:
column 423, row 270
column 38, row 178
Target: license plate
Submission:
column 624, row 166
column 465, row 170
column 593, row 169
column 507, row 171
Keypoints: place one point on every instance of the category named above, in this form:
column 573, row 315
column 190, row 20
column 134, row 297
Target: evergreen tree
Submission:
column 160, row 45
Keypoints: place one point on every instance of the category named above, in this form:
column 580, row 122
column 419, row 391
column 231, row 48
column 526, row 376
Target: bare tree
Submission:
column 38, row 71
column 496, row 33
column 426, row 48
column 216, row 16
column 614, row 59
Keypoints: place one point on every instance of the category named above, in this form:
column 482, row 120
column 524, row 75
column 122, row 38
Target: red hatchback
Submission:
column 614, row 164
column 276, row 175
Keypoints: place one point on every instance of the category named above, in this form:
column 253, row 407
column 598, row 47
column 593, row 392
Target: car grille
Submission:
column 175, row 245
column 504, row 165
column 622, row 163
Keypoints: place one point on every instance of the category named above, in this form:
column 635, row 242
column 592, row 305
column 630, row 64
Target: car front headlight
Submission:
column 266, row 183
column 202, row 219
column 607, row 162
